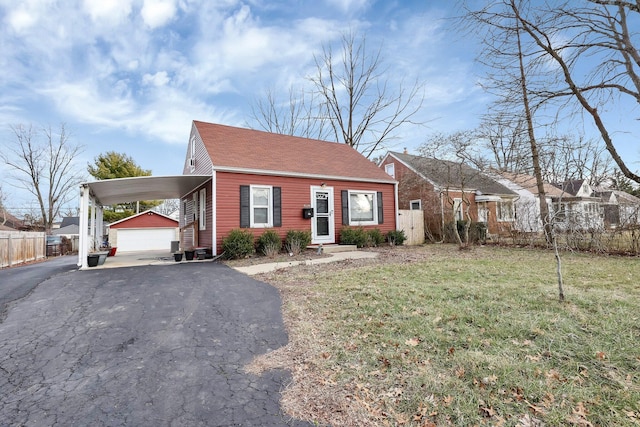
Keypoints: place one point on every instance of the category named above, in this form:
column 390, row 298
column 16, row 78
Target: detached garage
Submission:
column 146, row 231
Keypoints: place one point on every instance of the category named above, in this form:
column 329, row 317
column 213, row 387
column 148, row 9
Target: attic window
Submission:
column 192, row 157
column 390, row 169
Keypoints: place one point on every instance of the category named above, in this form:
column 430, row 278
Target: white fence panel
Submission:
column 412, row 223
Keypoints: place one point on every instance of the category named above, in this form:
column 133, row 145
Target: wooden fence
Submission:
column 17, row 247
column 412, row 223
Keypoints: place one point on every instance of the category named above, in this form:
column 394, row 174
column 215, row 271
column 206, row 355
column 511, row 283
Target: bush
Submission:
column 269, row 243
column 238, row 244
column 297, row 241
column 375, row 237
column 353, row 236
column 396, row 237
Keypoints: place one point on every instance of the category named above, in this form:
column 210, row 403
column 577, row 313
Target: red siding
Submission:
column 147, row 220
column 296, row 193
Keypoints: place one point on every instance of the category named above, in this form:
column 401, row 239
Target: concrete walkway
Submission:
column 273, row 266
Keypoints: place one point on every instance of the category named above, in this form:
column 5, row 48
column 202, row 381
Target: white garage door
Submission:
column 145, row 239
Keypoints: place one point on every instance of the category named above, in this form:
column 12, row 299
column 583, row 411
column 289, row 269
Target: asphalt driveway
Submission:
column 142, row 346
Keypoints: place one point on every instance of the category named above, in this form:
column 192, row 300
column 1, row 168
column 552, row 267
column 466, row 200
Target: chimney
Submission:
column 405, row 150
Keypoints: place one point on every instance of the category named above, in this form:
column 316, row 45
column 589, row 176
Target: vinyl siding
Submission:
column 296, row 193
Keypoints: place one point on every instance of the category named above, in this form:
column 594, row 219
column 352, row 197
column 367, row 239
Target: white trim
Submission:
column 300, row 175
column 269, row 206
column 331, row 238
column 374, row 207
column 214, row 216
column 202, row 206
column 390, row 167
column 411, row 202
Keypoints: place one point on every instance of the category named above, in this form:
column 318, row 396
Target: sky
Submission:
column 131, row 75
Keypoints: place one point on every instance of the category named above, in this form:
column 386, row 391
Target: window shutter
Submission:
column 277, row 207
column 380, row 210
column 244, row 206
column 345, row 207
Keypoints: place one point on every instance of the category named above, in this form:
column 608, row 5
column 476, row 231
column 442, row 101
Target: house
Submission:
column 9, row 222
column 620, row 209
column 146, row 231
column 448, row 191
column 573, row 205
column 527, row 205
column 260, row 180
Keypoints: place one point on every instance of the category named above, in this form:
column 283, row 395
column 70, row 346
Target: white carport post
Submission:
column 83, row 250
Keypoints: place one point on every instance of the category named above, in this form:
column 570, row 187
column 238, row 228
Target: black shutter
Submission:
column 245, row 220
column 277, row 207
column 380, row 210
column 345, row 207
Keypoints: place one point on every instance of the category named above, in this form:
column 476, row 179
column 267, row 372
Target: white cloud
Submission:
column 347, row 6
column 21, row 20
column 158, row 79
column 157, row 13
column 109, row 11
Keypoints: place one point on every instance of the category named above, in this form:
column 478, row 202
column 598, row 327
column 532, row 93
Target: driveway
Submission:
column 142, row 346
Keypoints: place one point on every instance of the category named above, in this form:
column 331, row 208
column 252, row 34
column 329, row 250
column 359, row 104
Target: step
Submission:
column 330, row 249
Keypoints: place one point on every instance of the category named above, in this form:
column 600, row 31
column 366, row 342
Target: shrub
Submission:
column 238, row 244
column 396, row 237
column 353, row 236
column 297, row 241
column 269, row 243
column 375, row 237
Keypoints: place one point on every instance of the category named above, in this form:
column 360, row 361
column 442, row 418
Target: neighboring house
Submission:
column 146, row 231
column 620, row 209
column 572, row 204
column 261, row 181
column 448, row 191
column 578, row 208
column 527, row 205
column 9, row 222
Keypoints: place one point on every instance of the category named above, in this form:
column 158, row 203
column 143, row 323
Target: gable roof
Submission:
column 166, row 220
column 444, row 173
column 528, row 182
column 235, row 149
column 571, row 186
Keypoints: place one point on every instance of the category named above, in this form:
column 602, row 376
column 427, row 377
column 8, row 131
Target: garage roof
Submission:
column 121, row 190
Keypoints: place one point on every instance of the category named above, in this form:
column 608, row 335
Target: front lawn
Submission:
column 436, row 336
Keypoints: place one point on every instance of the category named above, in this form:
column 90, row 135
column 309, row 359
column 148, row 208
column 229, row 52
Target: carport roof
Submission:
column 121, row 190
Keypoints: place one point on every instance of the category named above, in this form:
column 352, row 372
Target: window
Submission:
column 390, row 169
column 203, row 209
column 192, row 158
column 505, row 210
column 363, row 208
column 415, row 205
column 457, row 210
column 260, row 206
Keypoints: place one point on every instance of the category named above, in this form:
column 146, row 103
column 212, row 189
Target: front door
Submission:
column 322, row 224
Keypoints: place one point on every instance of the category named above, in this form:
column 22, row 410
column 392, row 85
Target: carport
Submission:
column 94, row 196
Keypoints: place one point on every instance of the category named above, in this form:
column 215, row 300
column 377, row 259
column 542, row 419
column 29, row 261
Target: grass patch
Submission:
column 472, row 338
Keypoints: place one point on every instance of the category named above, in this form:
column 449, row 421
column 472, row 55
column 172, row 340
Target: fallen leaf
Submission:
column 600, row 355
column 452, row 350
column 412, row 342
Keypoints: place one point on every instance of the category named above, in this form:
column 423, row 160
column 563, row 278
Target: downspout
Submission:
column 214, row 216
column 395, row 190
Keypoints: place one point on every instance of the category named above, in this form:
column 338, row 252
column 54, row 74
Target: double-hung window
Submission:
column 506, row 211
column 261, row 206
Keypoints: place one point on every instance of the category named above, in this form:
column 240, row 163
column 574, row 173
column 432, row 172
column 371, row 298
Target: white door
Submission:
column 322, row 224
column 145, row 239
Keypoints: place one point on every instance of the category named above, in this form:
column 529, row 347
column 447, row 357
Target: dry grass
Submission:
column 436, row 336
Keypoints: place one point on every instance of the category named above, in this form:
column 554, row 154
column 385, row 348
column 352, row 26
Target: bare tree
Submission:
column 352, row 100
column 301, row 114
column 43, row 164
column 504, row 136
column 594, row 37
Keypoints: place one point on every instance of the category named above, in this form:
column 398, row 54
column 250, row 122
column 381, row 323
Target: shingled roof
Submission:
column 238, row 149
column 444, row 173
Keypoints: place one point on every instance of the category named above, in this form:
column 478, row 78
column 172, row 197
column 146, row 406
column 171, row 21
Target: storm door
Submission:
column 322, row 223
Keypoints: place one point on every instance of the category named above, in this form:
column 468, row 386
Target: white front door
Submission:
column 322, row 224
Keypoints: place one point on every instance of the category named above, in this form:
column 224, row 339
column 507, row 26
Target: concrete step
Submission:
column 330, row 249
